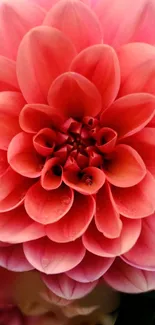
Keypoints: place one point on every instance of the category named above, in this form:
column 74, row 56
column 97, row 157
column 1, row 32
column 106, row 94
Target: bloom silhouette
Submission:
column 77, row 148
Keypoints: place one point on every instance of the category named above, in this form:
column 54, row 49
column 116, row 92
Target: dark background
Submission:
column 137, row 309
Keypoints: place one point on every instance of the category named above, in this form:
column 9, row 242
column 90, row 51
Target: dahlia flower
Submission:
column 77, row 143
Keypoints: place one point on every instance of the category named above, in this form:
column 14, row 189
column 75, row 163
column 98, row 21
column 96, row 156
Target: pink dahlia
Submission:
column 77, row 143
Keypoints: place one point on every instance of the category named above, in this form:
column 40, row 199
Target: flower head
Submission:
column 77, row 161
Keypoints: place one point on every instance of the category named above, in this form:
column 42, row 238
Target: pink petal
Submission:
column 48, row 4
column 98, row 244
column 137, row 111
column 8, row 79
column 107, row 218
column 131, row 15
column 13, row 259
column 16, row 227
column 44, row 142
column 48, row 206
column 125, row 278
column 124, row 167
column 75, row 222
column 51, row 176
column 35, row 117
column 72, row 95
column 76, row 21
column 44, row 54
column 143, row 142
column 88, row 181
column 67, row 288
column 3, row 162
column 99, row 64
column 85, row 272
column 11, row 104
column 22, row 156
column 106, row 140
column 142, row 255
column 12, row 190
column 138, row 74
column 137, row 201
column 16, row 19
column 52, row 258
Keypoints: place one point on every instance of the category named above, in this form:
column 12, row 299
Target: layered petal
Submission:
column 143, row 143
column 95, row 242
column 136, row 20
column 44, row 54
column 125, row 278
column 88, row 181
column 138, row 74
column 11, row 104
column 107, row 218
column 52, row 258
column 137, row 111
column 51, row 176
column 3, row 161
column 48, row 206
column 67, row 288
column 72, row 95
column 35, row 117
column 22, row 156
column 85, row 30
column 13, row 259
column 124, row 167
column 143, row 205
column 8, row 78
column 84, row 272
column 16, row 19
column 99, row 64
column 75, row 222
column 44, row 142
column 12, row 190
column 17, row 227
column 142, row 255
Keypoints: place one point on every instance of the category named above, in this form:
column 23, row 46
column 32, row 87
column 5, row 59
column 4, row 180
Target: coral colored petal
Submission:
column 51, row 176
column 11, row 104
column 124, row 168
column 143, row 142
column 138, row 74
column 3, row 162
column 99, row 64
column 137, row 201
column 142, row 255
column 17, row 227
column 84, row 272
column 44, row 142
column 67, row 288
column 107, row 218
column 35, row 117
column 72, row 95
column 88, row 181
column 48, row 4
column 8, row 78
column 125, row 278
column 12, row 190
column 22, row 156
column 44, row 54
column 75, row 222
column 129, row 13
column 13, row 259
column 16, row 19
column 137, row 111
column 77, row 22
column 48, row 206
column 106, row 140
column 52, row 258
column 99, row 245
